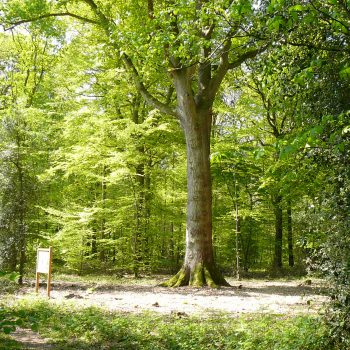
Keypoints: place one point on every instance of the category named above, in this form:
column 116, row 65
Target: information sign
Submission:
column 43, row 261
column 43, row 265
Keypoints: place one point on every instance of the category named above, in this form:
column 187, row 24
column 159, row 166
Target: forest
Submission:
column 197, row 144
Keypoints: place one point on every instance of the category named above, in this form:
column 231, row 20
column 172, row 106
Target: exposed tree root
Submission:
column 200, row 276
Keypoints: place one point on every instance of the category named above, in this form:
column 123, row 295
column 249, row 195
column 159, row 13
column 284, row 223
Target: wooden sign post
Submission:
column 44, row 265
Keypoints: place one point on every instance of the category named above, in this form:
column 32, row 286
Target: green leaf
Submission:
column 259, row 153
column 244, row 8
column 346, row 130
column 276, row 23
column 341, row 147
column 13, row 276
column 9, row 329
column 345, row 72
column 297, row 8
column 286, row 151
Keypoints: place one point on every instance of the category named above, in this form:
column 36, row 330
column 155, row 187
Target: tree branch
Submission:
column 345, row 7
column 104, row 20
column 150, row 7
column 248, row 54
column 310, row 45
column 204, row 68
column 221, row 71
column 225, row 65
column 149, row 98
column 329, row 16
column 48, row 15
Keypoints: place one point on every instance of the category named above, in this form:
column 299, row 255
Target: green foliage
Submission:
column 8, row 282
column 10, row 319
column 88, row 166
column 7, row 324
column 70, row 328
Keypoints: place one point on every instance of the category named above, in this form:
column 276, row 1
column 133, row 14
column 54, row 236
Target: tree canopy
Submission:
column 192, row 137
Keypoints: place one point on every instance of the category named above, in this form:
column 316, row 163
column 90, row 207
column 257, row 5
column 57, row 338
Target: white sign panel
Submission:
column 43, row 261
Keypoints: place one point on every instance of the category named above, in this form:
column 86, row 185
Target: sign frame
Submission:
column 43, row 265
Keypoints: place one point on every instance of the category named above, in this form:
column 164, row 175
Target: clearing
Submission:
column 127, row 295
column 248, row 296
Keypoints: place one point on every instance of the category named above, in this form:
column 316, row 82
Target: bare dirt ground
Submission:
column 252, row 296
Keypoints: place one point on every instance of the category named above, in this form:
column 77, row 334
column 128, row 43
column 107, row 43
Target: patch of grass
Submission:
column 94, row 328
column 7, row 343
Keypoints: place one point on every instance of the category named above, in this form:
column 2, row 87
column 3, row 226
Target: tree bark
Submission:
column 13, row 257
column 21, row 226
column 199, row 268
column 290, row 235
column 103, row 219
column 237, row 232
column 142, row 184
column 278, row 233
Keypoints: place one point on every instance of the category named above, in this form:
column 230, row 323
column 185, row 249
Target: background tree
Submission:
column 25, row 61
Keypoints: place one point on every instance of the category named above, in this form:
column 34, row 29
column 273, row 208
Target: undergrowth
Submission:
column 8, row 282
column 92, row 328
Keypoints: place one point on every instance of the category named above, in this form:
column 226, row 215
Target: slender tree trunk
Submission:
column 137, row 263
column 237, row 232
column 278, row 232
column 290, row 235
column 12, row 261
column 93, row 241
column 103, row 219
column 21, row 228
column 171, row 243
column 199, row 268
column 139, row 193
column 147, row 216
column 249, row 239
column 22, row 260
column 114, row 251
column 247, row 252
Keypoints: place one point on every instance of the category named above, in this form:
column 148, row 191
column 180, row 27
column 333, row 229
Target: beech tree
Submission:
column 187, row 46
column 24, row 61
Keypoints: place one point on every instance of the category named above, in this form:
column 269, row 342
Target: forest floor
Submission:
column 281, row 301
column 247, row 296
